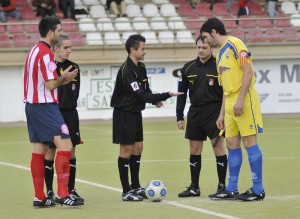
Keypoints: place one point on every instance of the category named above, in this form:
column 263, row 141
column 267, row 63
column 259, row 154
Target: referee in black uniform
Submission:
column 200, row 78
column 130, row 95
column 68, row 96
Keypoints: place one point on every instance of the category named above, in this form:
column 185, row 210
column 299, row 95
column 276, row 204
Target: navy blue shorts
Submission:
column 44, row 121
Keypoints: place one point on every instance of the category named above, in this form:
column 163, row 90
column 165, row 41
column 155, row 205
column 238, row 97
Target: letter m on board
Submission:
column 288, row 76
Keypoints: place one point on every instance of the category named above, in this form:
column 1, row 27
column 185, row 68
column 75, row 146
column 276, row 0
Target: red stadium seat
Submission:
column 193, row 25
column 2, row 29
column 14, row 28
column 185, row 10
column 255, row 35
column 283, row 21
column 202, row 9
column 4, row 41
column 247, row 23
column 77, row 39
column 31, row 28
column 21, row 41
column 234, row 8
column 23, row 3
column 70, row 27
column 238, row 33
column 229, row 22
column 254, row 8
column 291, row 34
column 273, row 35
column 219, row 9
column 263, row 21
column 27, row 13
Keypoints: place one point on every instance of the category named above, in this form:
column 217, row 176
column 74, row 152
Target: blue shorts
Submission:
column 44, row 121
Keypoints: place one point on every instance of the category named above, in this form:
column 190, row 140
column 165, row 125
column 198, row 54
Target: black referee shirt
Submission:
column 68, row 94
column 201, row 80
column 132, row 91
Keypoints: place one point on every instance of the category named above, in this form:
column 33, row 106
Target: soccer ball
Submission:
column 156, row 190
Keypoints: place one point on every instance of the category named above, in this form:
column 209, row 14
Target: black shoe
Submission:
column 250, row 195
column 75, row 195
column 131, row 196
column 223, row 195
column 69, row 201
column 46, row 202
column 141, row 193
column 50, row 195
column 221, row 187
column 191, row 191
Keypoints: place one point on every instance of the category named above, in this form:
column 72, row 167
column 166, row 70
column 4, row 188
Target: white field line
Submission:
column 172, row 203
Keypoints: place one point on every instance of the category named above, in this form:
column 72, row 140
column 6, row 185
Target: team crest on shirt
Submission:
column 243, row 53
column 51, row 66
column 134, row 86
column 251, row 126
column 227, row 55
column 64, row 129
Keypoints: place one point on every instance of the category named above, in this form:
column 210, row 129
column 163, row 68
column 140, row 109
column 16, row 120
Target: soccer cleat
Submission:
column 141, row 193
column 223, row 195
column 191, row 191
column 221, row 187
column 250, row 195
column 50, row 195
column 131, row 196
column 69, row 201
column 46, row 202
column 75, row 196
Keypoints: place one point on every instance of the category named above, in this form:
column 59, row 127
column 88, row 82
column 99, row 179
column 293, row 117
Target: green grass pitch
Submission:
column 165, row 157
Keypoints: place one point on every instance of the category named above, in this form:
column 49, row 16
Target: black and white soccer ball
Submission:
column 156, row 190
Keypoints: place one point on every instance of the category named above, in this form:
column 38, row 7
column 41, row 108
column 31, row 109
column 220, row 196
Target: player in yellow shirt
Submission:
column 240, row 113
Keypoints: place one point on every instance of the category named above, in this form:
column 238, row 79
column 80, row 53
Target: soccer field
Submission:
column 165, row 157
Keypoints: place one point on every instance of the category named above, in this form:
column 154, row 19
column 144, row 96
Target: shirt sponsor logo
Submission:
column 64, row 129
column 211, row 82
column 51, row 66
column 134, row 86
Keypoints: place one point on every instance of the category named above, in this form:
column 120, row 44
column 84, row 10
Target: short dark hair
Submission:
column 134, row 42
column 46, row 24
column 60, row 41
column 200, row 37
column 213, row 23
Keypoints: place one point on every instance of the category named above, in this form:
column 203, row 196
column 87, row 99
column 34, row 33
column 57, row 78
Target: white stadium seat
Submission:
column 140, row 23
column 168, row 10
column 288, row 8
column 105, row 24
column 125, row 35
column 166, row 37
column 94, row 38
column 87, row 24
column 184, row 36
column 112, row 38
column 97, row 11
column 176, row 23
column 158, row 23
column 123, row 23
column 133, row 11
column 150, row 10
column 150, row 37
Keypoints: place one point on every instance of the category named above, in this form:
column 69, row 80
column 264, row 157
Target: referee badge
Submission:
column 211, row 82
column 134, row 86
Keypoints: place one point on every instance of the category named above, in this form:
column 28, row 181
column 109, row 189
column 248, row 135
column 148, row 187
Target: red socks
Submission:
column 37, row 172
column 62, row 166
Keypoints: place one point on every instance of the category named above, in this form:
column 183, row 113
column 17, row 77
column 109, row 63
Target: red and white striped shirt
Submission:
column 39, row 68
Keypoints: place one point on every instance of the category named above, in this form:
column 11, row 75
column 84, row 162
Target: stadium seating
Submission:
column 254, row 8
column 5, row 41
column 184, row 36
column 112, row 38
column 78, row 2
column 238, row 33
column 291, row 34
column 123, row 23
column 33, row 28
column 288, row 7
column 202, row 9
column 133, row 10
column 105, row 24
column 246, row 23
column 255, row 35
column 90, row 2
column 150, row 10
column 21, row 40
column 273, row 35
column 263, row 21
column 159, row 2
column 176, row 23
column 94, row 38
column 158, row 23
column 14, row 27
column 87, row 24
column 295, row 20
column 185, row 10
column 150, row 37
column 166, row 37
column 126, row 34
column 219, row 9
column 140, row 23
column 97, row 11
column 77, row 39
column 168, row 10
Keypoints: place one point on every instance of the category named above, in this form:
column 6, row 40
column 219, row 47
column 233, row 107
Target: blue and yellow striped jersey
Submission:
column 230, row 59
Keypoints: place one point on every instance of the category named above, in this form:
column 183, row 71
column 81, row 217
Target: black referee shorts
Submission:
column 127, row 127
column 201, row 122
column 71, row 119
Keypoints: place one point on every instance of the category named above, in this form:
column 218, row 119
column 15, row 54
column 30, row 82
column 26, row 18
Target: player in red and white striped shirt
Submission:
column 44, row 120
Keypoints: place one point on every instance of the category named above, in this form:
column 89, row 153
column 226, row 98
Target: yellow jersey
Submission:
column 232, row 55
